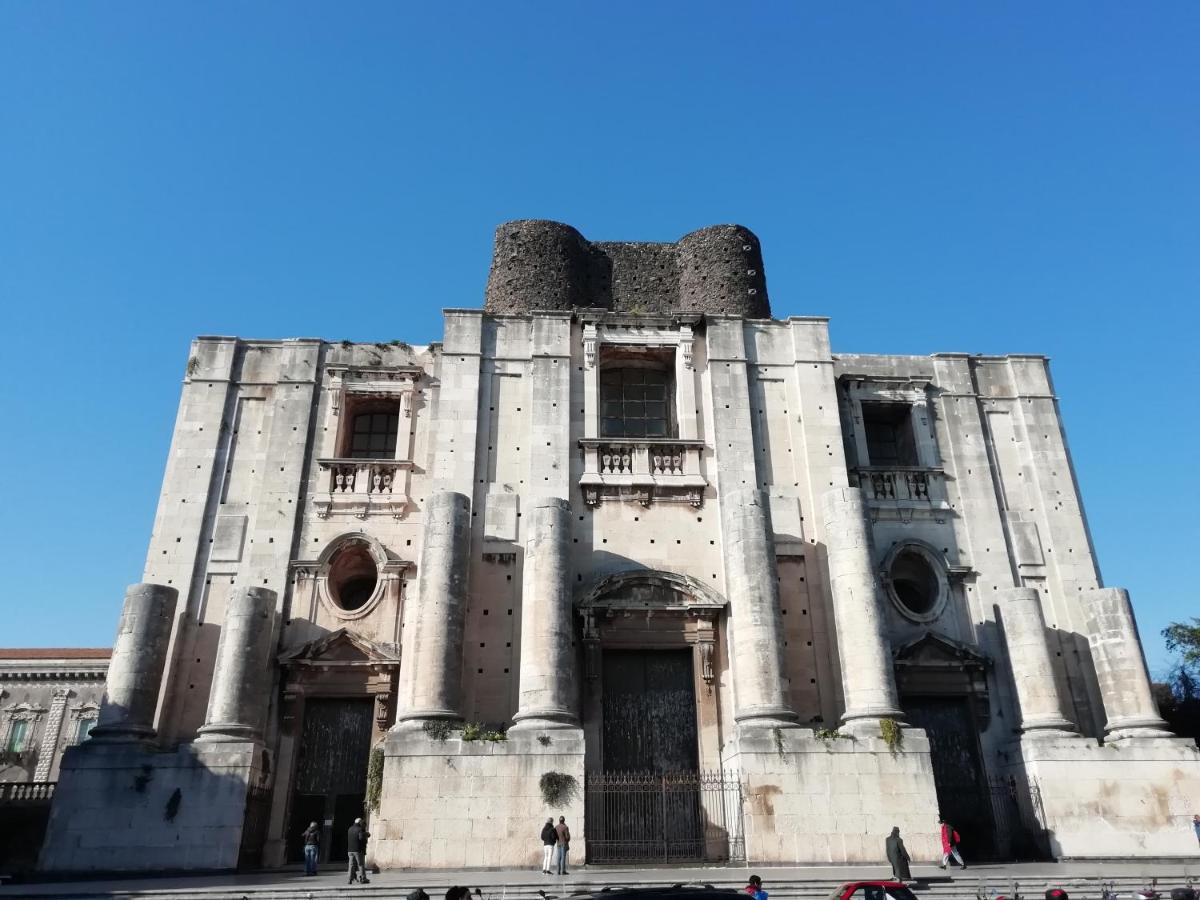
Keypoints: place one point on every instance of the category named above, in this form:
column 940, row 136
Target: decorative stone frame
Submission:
column 644, row 470
column 77, row 714
column 389, row 581
column 895, row 492
column 22, row 712
column 361, row 487
column 937, row 565
column 668, row 611
column 934, row 665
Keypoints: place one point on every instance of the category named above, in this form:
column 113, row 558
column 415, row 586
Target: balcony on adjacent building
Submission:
column 360, row 487
column 642, row 469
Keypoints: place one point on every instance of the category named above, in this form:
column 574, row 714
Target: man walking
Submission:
column 949, row 843
column 563, row 835
column 312, row 848
column 549, row 839
column 356, row 847
column 897, row 855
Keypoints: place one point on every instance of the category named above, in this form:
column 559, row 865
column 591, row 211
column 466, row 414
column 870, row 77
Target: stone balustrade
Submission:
column 642, row 469
column 360, row 487
column 914, row 483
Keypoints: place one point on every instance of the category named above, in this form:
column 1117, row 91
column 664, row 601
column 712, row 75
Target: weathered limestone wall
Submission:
column 835, row 801
column 127, row 808
column 1130, row 798
column 453, row 804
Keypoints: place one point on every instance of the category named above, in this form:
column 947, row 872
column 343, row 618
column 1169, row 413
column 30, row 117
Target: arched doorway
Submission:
column 651, row 721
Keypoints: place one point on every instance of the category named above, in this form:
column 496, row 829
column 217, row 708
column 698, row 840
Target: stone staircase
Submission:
column 988, row 882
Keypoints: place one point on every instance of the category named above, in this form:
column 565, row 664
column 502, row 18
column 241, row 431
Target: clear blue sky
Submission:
column 935, row 176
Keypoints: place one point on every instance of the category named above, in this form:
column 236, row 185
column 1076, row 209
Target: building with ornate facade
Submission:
column 49, row 701
column 625, row 548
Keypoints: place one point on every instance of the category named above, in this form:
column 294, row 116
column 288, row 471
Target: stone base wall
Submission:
column 455, row 803
column 113, row 808
column 834, row 801
column 1129, row 798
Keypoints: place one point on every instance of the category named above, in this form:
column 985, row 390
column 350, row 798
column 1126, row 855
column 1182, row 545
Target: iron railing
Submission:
column 664, row 817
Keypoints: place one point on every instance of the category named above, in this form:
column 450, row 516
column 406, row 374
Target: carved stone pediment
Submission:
column 932, row 649
column 342, row 648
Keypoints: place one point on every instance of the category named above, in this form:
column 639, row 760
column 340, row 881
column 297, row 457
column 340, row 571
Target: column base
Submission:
column 766, row 717
column 542, row 719
column 122, row 734
column 227, row 732
column 1139, row 727
column 1048, row 727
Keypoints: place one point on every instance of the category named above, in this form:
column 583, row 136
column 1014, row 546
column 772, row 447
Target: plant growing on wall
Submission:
column 438, row 729
column 892, row 734
column 831, row 734
column 375, row 778
column 558, row 788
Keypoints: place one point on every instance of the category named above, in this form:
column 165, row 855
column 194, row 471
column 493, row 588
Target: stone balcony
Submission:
column 642, row 469
column 903, row 491
column 362, row 487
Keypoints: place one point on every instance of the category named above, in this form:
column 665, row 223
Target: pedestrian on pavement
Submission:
column 755, row 888
column 356, row 847
column 950, row 841
column 1196, row 826
column 563, row 844
column 312, row 848
column 549, row 840
column 898, row 856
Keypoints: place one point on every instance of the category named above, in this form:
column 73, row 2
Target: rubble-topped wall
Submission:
column 542, row 265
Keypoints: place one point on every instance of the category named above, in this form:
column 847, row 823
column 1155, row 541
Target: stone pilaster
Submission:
column 547, row 659
column 49, row 746
column 752, row 582
column 431, row 673
column 1120, row 666
column 868, row 680
column 1032, row 665
column 136, row 667
column 241, row 678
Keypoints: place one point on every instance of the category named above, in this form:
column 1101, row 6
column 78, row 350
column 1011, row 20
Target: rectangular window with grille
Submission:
column 373, row 432
column 889, row 433
column 636, row 402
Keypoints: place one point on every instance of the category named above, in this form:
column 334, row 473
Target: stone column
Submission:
column 547, row 682
column 241, row 682
column 431, row 670
column 756, row 627
column 1032, row 665
column 1120, row 666
column 136, row 666
column 868, row 679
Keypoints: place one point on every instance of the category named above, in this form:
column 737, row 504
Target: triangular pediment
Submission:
column 932, row 649
column 341, row 647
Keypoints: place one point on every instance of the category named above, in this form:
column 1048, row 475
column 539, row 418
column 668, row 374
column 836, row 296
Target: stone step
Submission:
column 395, row 885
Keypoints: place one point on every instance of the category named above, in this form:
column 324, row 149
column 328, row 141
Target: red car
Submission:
column 872, row 890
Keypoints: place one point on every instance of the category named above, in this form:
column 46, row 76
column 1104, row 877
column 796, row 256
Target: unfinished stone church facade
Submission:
column 625, row 548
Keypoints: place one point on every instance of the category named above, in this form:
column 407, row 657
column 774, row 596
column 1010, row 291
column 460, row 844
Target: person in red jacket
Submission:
column 949, row 843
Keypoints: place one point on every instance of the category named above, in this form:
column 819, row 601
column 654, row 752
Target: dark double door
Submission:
column 963, row 794
column 331, row 773
column 647, row 804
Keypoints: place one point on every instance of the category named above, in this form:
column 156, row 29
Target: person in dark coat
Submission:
column 356, row 847
column 549, row 840
column 312, row 848
column 898, row 856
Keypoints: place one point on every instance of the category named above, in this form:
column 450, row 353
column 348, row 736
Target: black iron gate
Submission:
column 667, row 817
column 1020, row 832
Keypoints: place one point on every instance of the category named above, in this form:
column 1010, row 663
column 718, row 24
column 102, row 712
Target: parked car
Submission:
column 873, row 890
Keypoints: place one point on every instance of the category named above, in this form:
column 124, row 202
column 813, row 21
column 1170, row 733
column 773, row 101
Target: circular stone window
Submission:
column 916, row 582
column 352, row 577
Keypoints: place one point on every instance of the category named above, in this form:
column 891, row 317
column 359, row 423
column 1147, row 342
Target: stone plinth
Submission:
column 433, row 790
column 135, row 670
column 835, row 800
column 1131, row 798
column 116, row 808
